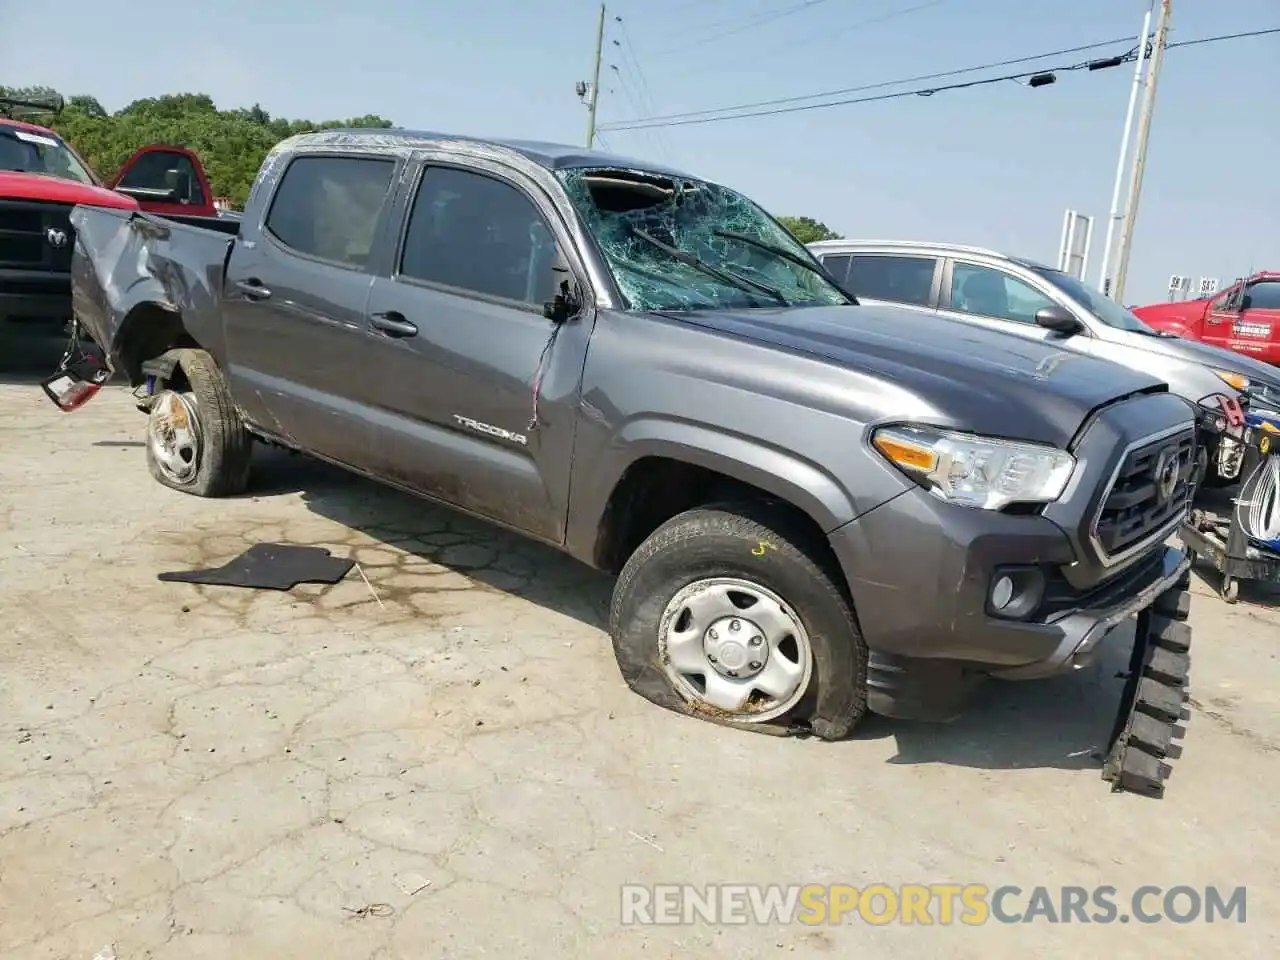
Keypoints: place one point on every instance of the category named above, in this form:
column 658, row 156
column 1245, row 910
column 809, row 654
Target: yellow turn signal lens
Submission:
column 1234, row 380
column 908, row 455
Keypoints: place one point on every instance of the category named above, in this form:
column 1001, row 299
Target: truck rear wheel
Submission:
column 724, row 613
column 196, row 441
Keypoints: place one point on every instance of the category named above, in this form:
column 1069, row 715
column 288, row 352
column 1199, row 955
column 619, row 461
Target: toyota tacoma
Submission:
column 814, row 508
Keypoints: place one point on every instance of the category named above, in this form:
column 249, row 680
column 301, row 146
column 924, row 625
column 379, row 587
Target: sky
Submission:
column 994, row 165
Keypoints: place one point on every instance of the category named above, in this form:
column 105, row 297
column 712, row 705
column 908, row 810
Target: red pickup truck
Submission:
column 42, row 178
column 1245, row 317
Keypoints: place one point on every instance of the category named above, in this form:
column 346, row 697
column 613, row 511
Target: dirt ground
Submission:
column 194, row 772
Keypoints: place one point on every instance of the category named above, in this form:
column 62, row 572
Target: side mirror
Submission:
column 1059, row 320
column 564, row 306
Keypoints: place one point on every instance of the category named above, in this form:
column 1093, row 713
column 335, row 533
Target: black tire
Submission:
column 725, row 540
column 225, row 445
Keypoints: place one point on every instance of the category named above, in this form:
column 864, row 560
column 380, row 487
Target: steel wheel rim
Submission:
column 719, row 667
column 173, row 434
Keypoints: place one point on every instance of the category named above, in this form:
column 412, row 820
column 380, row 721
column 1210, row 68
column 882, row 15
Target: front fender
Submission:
column 782, row 473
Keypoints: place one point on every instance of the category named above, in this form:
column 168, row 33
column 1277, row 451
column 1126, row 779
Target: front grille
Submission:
column 1138, row 506
column 25, row 243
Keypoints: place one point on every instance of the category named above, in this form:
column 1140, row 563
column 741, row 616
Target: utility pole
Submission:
column 1140, row 156
column 1104, row 273
column 595, row 83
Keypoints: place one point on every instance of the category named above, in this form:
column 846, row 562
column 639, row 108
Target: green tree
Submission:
column 231, row 143
column 808, row 230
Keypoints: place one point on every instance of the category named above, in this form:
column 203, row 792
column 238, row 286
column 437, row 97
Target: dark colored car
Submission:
column 814, row 507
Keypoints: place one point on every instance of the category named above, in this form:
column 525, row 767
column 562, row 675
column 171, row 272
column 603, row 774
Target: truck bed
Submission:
column 124, row 258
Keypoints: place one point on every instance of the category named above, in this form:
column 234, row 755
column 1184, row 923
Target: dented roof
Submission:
column 551, row 156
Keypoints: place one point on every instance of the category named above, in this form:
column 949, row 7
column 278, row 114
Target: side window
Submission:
column 328, row 207
column 476, row 233
column 896, row 279
column 1264, row 295
column 993, row 293
column 837, row 265
column 166, row 170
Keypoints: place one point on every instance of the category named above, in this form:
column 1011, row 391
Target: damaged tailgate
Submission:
column 135, row 275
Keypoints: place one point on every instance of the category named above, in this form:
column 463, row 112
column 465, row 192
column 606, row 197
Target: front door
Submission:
column 993, row 298
column 478, row 389
column 294, row 306
column 1256, row 330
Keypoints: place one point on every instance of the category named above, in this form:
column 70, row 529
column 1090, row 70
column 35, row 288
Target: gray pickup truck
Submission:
column 813, row 507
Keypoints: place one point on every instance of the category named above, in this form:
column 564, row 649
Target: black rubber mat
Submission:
column 270, row 566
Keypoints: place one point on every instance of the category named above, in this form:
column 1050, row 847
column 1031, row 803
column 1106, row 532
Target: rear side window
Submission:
column 1263, row 296
column 328, row 207
column 837, row 265
column 896, row 279
column 479, row 234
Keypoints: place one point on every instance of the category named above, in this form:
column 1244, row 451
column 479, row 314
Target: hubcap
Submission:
column 173, row 433
column 735, row 648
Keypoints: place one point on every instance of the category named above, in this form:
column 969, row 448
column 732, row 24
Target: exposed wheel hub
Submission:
column 173, row 433
column 735, row 647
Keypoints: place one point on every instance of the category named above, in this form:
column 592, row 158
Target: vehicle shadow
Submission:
column 1062, row 723
column 477, row 550
column 28, row 354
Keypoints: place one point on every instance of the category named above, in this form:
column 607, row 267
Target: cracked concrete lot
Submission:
column 194, row 772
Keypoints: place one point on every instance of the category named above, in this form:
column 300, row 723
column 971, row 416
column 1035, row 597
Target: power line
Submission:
column 631, row 63
column 768, row 17
column 870, row 22
column 775, row 47
column 886, row 83
column 1223, row 36
column 704, row 117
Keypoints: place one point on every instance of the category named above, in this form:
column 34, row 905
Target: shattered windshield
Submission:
column 24, row 151
column 689, row 245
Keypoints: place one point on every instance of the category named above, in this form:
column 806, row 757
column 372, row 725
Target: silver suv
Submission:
column 1017, row 295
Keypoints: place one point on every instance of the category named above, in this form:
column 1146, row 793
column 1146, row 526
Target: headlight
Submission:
column 976, row 471
column 1237, row 381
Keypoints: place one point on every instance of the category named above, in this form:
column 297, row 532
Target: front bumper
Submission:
column 920, row 570
column 35, row 295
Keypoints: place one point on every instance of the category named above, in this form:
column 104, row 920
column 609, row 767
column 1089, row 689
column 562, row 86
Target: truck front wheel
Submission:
column 724, row 613
column 196, row 441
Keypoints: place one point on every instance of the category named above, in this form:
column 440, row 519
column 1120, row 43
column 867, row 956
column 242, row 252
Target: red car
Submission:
column 42, row 178
column 1245, row 317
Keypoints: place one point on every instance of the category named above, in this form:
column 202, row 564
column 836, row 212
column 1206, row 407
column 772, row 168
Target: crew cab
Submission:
column 813, row 507
column 42, row 178
column 1244, row 318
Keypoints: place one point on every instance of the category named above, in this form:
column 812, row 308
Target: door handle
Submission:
column 253, row 289
column 393, row 324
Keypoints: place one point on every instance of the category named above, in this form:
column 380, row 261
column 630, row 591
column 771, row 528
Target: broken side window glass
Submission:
column 625, row 210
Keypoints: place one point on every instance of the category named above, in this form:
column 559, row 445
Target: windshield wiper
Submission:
column 744, row 284
column 785, row 254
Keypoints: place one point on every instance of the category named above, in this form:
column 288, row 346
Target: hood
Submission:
column 34, row 186
column 973, row 378
column 1176, row 313
column 1217, row 357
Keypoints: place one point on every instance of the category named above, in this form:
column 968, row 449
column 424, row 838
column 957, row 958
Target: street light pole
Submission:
column 1104, row 275
column 1140, row 156
column 595, row 82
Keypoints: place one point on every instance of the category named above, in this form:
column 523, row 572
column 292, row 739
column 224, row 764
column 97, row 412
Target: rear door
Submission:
column 166, row 180
column 900, row 279
column 990, row 297
column 478, row 389
column 299, row 352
